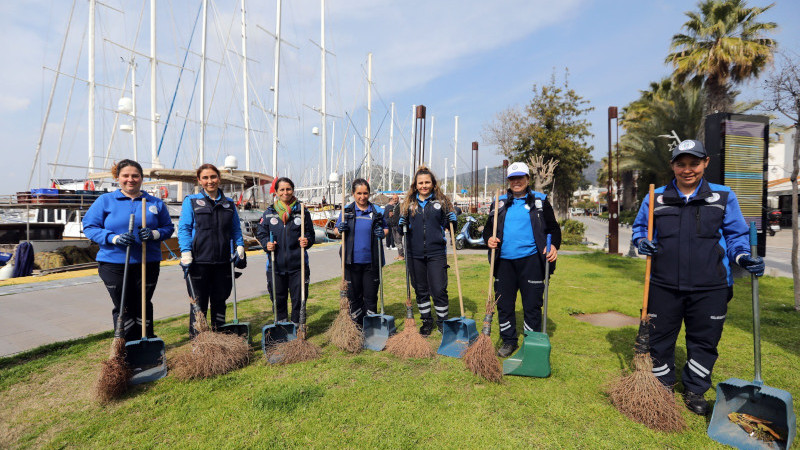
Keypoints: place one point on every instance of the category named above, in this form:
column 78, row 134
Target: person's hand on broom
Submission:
column 493, row 242
column 303, row 242
column 552, row 255
column 271, row 246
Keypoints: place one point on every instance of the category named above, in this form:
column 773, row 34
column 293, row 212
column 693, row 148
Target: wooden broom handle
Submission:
column 458, row 276
column 144, row 270
column 489, row 297
column 649, row 263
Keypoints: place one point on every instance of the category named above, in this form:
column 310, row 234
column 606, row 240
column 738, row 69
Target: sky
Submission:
column 464, row 58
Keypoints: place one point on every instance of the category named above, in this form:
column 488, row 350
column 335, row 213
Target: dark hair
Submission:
column 116, row 168
column 207, row 166
column 283, row 180
column 360, row 182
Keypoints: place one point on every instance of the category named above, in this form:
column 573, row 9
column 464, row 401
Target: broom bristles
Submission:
column 643, row 398
column 481, row 359
column 409, row 343
column 297, row 350
column 343, row 332
column 114, row 373
column 212, row 354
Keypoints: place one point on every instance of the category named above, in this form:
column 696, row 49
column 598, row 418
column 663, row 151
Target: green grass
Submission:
column 376, row 400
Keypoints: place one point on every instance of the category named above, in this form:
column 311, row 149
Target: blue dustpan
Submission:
column 277, row 332
column 457, row 335
column 378, row 327
column 739, row 396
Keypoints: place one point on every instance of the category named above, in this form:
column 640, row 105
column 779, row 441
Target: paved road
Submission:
column 777, row 259
column 80, row 306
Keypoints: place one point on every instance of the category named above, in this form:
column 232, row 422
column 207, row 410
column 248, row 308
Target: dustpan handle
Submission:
column 756, row 313
column 144, row 270
column 458, row 275
column 118, row 332
column 272, row 272
column 546, row 283
column 233, row 279
column 380, row 269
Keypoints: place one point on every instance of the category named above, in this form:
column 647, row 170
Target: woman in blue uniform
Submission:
column 524, row 220
column 208, row 233
column 426, row 212
column 363, row 226
column 699, row 231
column 279, row 232
column 106, row 223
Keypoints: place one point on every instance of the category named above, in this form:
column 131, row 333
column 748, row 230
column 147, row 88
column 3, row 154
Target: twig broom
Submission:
column 409, row 343
column 480, row 357
column 299, row 349
column 640, row 395
column 114, row 372
column 343, row 332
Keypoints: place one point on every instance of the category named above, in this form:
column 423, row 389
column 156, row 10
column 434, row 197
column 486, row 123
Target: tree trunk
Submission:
column 717, row 100
column 793, row 179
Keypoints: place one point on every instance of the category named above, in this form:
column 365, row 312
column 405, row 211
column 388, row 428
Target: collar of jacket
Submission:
column 118, row 195
column 352, row 207
column 672, row 196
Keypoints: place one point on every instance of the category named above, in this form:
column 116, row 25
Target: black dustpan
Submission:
column 736, row 396
column 238, row 328
column 276, row 332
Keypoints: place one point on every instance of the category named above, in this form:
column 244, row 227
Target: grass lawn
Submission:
column 376, row 400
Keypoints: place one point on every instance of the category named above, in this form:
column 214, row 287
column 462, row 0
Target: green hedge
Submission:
column 572, row 231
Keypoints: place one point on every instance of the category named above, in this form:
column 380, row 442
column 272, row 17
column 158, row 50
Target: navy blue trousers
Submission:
column 523, row 275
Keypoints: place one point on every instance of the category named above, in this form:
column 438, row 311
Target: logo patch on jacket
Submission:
column 297, row 221
column 660, row 199
column 201, row 202
column 153, row 209
column 500, row 204
column 538, row 204
column 273, row 221
column 437, row 206
column 226, row 205
column 712, row 198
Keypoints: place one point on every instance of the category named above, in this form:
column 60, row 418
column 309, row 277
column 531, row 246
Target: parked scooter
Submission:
column 773, row 222
column 464, row 238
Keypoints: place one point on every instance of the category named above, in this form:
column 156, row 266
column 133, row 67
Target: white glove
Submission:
column 186, row 258
column 240, row 251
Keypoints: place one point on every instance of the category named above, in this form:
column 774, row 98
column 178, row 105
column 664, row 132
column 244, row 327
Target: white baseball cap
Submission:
column 517, row 169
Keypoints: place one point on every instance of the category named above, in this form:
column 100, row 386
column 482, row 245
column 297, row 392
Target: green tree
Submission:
column 722, row 44
column 553, row 125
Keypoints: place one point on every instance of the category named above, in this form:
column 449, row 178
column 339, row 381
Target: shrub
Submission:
column 572, row 231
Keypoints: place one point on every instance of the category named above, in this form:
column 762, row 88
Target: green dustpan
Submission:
column 533, row 357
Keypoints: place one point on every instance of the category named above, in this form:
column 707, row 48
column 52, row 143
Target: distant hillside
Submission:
column 590, row 173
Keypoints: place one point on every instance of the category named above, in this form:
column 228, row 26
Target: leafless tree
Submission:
column 542, row 171
column 783, row 88
column 503, row 130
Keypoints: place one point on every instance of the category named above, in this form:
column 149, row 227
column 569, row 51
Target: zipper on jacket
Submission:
column 697, row 219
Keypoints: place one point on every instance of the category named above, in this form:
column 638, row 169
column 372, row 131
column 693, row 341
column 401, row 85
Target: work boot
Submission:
column 696, row 403
column 507, row 349
column 426, row 328
column 439, row 327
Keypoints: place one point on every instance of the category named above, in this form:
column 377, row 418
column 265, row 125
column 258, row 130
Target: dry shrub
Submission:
column 409, row 343
column 343, row 332
column 480, row 358
column 114, row 374
column 643, row 398
column 294, row 351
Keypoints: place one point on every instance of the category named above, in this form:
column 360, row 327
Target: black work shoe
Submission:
column 439, row 327
column 696, row 403
column 426, row 328
column 507, row 349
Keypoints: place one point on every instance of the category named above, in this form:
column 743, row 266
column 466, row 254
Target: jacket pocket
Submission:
column 709, row 220
column 666, row 221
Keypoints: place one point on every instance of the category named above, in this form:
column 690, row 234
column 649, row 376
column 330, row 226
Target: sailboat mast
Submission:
column 153, row 115
column 323, row 110
column 369, row 116
column 455, row 161
column 245, row 98
column 133, row 110
column 430, row 147
column 391, row 148
column 203, row 84
column 276, row 90
column 92, row 5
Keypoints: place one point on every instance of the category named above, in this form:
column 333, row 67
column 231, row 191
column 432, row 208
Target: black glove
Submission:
column 343, row 227
column 146, row 234
column 124, row 239
column 240, row 263
column 378, row 232
column 646, row 247
column 752, row 264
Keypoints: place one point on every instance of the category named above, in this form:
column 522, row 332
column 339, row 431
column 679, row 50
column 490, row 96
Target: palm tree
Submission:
column 723, row 44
